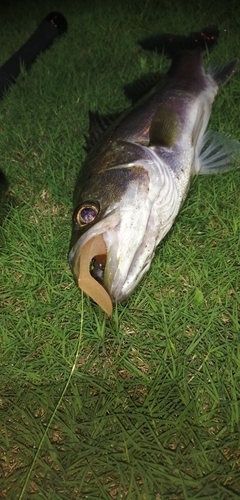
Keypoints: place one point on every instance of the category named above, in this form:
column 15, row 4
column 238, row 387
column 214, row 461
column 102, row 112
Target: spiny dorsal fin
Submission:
column 164, row 128
column 140, row 87
column 98, row 124
column 173, row 44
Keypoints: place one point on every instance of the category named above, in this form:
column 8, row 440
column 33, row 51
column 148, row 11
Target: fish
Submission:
column 140, row 163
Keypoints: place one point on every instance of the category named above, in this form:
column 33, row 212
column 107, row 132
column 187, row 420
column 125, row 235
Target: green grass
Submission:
column 144, row 405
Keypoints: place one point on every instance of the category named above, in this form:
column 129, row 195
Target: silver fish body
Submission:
column 137, row 175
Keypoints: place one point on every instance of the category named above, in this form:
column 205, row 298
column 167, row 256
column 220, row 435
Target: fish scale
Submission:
column 139, row 167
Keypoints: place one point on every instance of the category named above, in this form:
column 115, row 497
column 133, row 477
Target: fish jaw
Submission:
column 130, row 230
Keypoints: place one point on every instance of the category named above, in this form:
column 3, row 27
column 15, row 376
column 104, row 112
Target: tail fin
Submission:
column 172, row 44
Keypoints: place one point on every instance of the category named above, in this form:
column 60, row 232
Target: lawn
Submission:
column 144, row 405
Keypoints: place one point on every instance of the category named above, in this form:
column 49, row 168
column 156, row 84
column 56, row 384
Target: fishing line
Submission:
column 78, row 347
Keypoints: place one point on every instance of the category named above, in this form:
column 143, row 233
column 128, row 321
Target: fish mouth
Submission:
column 90, row 272
column 93, row 263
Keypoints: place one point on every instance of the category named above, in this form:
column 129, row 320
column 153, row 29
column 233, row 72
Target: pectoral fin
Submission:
column 164, row 128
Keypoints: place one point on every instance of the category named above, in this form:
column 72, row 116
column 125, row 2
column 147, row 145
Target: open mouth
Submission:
column 91, row 272
column 97, row 268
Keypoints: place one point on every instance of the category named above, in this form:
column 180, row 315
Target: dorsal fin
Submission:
column 98, row 124
column 173, row 44
column 140, row 87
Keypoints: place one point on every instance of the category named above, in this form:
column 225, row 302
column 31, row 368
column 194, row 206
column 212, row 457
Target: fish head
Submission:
column 111, row 245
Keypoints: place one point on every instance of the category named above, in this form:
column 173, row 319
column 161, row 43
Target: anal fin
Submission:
column 221, row 73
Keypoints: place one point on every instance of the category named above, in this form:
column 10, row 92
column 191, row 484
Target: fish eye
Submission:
column 85, row 213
